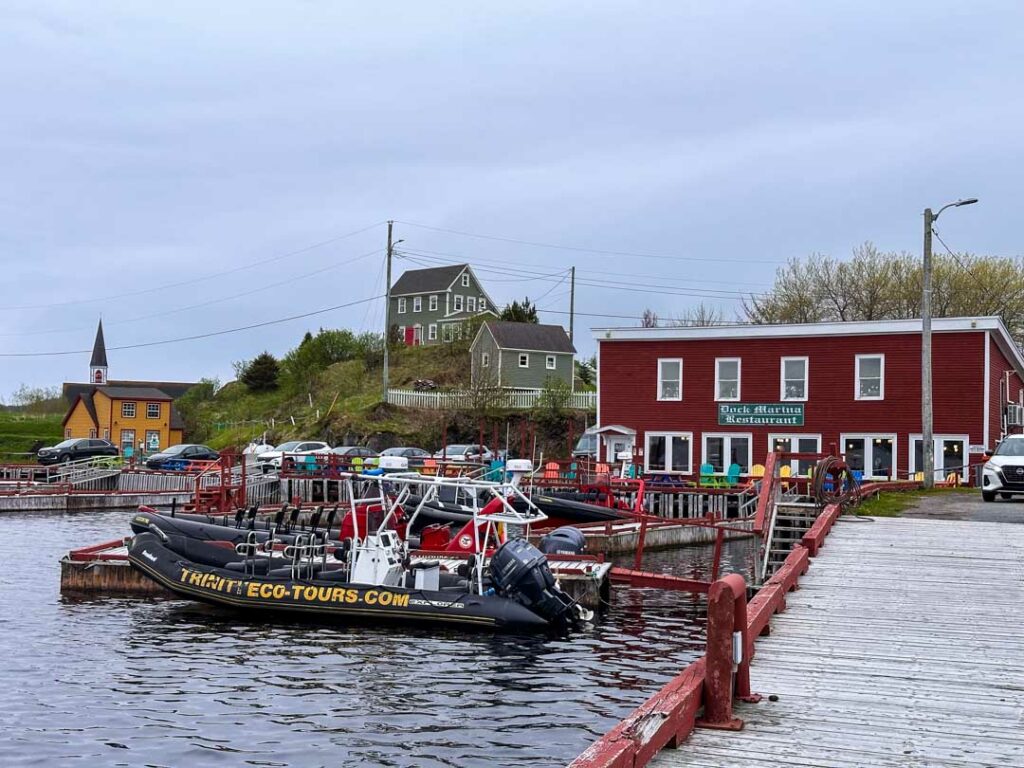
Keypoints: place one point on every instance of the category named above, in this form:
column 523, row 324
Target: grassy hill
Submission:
column 21, row 433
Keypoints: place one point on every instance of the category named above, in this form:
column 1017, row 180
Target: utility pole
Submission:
column 387, row 311
column 572, row 301
column 927, row 442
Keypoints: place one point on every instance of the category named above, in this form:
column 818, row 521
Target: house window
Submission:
column 796, row 444
column 432, row 332
column 417, row 303
column 465, row 279
column 524, row 360
column 670, row 378
column 458, row 303
column 870, row 377
column 668, row 452
column 721, row 450
column 401, row 333
column 550, row 362
column 727, row 378
column 92, row 433
column 446, row 332
column 128, row 441
column 793, row 378
column 485, row 360
column 127, row 410
column 67, row 433
column 471, row 303
column 98, row 376
column 874, row 455
column 401, row 306
column 106, row 434
column 482, row 304
column 152, row 410
column 432, row 303
column 152, row 439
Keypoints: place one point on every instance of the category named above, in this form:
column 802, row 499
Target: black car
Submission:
column 414, row 455
column 180, row 456
column 75, row 449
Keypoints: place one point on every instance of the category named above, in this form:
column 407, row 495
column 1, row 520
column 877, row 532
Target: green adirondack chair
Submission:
column 708, row 479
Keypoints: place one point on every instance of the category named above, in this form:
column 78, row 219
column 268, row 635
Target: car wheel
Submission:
column 988, row 495
column 1005, row 495
column 66, row 459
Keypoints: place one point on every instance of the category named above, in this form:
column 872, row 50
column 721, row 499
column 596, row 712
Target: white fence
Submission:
column 512, row 398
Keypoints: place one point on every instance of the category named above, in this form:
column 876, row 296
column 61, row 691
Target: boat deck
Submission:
column 902, row 647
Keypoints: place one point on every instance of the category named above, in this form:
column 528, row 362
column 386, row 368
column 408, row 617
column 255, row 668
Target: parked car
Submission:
column 414, row 455
column 75, row 449
column 586, row 446
column 1003, row 472
column 355, row 451
column 271, row 460
column 465, row 453
column 179, row 457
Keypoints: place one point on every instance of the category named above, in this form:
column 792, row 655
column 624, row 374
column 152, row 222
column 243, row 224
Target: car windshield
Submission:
column 1014, row 447
column 176, row 449
column 457, row 448
column 587, row 443
column 392, row 452
column 291, row 445
column 66, row 443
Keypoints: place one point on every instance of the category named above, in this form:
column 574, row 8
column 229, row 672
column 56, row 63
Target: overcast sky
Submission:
column 144, row 145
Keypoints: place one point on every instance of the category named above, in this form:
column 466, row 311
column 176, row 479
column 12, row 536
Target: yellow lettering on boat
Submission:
column 400, row 601
column 351, row 596
column 195, row 578
column 280, row 590
column 324, row 594
column 266, row 590
column 296, row 591
column 337, row 595
column 309, row 593
column 385, row 598
column 253, row 589
column 184, row 575
column 370, row 598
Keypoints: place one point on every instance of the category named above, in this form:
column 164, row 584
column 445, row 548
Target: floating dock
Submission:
column 625, row 537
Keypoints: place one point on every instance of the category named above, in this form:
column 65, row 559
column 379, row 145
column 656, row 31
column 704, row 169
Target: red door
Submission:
column 410, row 335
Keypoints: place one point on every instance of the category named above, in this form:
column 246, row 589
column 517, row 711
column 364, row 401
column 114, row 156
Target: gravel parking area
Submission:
column 967, row 505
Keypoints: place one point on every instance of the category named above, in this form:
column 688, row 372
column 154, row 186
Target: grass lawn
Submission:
column 20, row 432
column 893, row 503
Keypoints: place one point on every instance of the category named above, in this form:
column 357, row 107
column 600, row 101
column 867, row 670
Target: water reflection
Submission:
column 167, row 682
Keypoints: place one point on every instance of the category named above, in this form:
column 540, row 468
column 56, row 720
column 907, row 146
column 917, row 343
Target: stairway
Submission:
column 793, row 518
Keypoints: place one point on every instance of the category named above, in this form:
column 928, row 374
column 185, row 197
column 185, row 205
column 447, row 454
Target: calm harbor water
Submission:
column 170, row 683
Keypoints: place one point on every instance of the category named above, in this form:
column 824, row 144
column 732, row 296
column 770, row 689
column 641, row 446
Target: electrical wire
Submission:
column 956, row 258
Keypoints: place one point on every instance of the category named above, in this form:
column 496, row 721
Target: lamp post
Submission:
column 927, row 438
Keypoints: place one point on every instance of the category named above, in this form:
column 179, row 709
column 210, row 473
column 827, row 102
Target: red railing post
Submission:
column 727, row 615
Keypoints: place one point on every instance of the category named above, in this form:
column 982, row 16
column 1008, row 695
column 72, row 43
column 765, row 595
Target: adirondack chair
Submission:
column 571, row 474
column 785, row 471
column 551, row 470
column 708, row 478
column 732, row 476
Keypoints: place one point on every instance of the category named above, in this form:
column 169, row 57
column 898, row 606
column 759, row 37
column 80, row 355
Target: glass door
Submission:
column 873, row 455
column 949, row 455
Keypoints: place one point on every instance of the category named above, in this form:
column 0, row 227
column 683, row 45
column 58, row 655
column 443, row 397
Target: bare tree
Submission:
column 700, row 316
column 649, row 319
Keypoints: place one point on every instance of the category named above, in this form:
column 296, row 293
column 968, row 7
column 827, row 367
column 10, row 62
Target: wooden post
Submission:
column 727, row 613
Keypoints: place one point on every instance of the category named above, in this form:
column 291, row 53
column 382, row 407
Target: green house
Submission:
column 430, row 306
column 521, row 355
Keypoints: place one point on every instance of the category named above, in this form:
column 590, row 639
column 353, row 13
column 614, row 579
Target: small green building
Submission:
column 430, row 306
column 521, row 355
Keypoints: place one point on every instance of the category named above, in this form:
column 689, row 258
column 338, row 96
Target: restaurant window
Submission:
column 949, row 456
column 723, row 449
column 873, row 455
column 796, row 444
column 794, row 372
column 668, row 452
column 670, row 378
column 870, row 377
column 727, row 378
column 127, row 410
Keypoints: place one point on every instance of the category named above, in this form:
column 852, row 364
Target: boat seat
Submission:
column 261, row 566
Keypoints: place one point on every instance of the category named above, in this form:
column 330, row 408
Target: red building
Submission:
column 683, row 397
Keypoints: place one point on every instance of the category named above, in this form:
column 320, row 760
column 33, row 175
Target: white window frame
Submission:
column 149, row 409
column 881, row 376
column 668, row 453
column 417, row 303
column 661, row 362
column 727, row 450
column 869, row 452
column 485, row 359
column 524, row 359
column 130, row 443
column 465, row 279
column 401, row 333
column 401, row 305
column 782, row 379
column 718, row 380
column 550, row 363
column 482, row 304
column 126, row 406
column 432, row 302
column 417, row 335
column 447, row 333
column 940, row 474
column 794, row 465
column 152, row 445
column 471, row 303
column 457, row 303
column 432, row 332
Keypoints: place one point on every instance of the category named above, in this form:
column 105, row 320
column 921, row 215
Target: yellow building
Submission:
column 139, row 414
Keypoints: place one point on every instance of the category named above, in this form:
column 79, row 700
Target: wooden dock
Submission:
column 902, row 647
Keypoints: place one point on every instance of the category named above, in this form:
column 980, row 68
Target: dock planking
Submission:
column 901, row 648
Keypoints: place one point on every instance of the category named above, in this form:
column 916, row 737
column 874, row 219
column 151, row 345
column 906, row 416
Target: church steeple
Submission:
column 98, row 364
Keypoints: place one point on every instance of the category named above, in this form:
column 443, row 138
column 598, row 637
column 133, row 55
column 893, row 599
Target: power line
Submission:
column 203, row 278
column 956, row 258
column 198, row 336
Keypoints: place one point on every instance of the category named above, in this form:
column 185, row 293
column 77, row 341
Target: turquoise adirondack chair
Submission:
column 732, row 476
column 708, row 479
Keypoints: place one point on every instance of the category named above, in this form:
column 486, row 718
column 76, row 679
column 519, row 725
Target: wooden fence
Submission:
column 512, row 398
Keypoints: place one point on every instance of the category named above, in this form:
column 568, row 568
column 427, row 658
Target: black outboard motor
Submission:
column 564, row 541
column 520, row 572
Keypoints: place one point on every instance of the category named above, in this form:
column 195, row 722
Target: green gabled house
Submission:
column 430, row 306
column 521, row 355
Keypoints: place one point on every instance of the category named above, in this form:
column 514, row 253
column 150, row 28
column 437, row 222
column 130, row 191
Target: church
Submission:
column 131, row 414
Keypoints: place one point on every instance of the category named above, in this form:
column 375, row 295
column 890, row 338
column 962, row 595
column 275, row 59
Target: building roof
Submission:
column 530, row 336
column 431, row 280
column 133, row 393
column 99, row 349
column 90, row 407
column 172, row 389
column 176, row 422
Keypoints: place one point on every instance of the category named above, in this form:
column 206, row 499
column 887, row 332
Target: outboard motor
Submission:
column 520, row 572
column 564, row 541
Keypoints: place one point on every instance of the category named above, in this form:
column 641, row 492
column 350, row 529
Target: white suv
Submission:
column 271, row 460
column 1003, row 473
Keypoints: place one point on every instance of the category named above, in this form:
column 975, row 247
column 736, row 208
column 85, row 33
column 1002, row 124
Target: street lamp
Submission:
column 927, row 439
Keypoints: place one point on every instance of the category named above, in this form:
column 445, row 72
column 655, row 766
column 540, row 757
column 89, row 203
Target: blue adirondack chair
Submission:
column 732, row 477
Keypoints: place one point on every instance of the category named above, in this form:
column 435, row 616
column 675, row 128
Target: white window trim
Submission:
column 401, row 305
column 432, row 302
column 158, row 409
column 782, row 380
column 794, row 464
column 661, row 361
column 485, row 360
column 465, row 279
column 550, row 363
column 457, row 303
column 447, row 333
column 668, row 452
column 125, row 405
column 521, row 356
column 866, row 437
column 432, row 332
column 727, row 449
column 856, row 376
column 739, row 379
column 417, row 303
column 912, row 467
column 471, row 303
column 482, row 304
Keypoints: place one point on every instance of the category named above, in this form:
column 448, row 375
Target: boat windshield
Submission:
column 1013, row 447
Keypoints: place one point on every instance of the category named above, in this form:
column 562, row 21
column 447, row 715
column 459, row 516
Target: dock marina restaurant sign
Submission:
column 761, row 414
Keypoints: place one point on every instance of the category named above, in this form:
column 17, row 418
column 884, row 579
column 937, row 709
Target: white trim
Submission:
column 432, row 303
column 869, row 452
column 417, row 303
column 739, row 379
column 134, row 407
column 465, row 279
column 432, row 332
column 527, row 356
column 597, row 381
column 881, row 377
column 668, row 452
column 550, row 363
column 471, row 303
column 482, row 303
column 662, row 360
column 485, row 359
column 987, row 393
column 456, row 303
column 794, row 464
column 159, row 410
column 912, row 467
column 727, row 449
column 782, row 379
column 402, row 304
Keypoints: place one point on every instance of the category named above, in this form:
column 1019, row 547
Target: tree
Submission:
column 39, row 399
column 700, row 316
column 520, row 313
column 261, row 373
column 649, row 319
column 191, row 406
